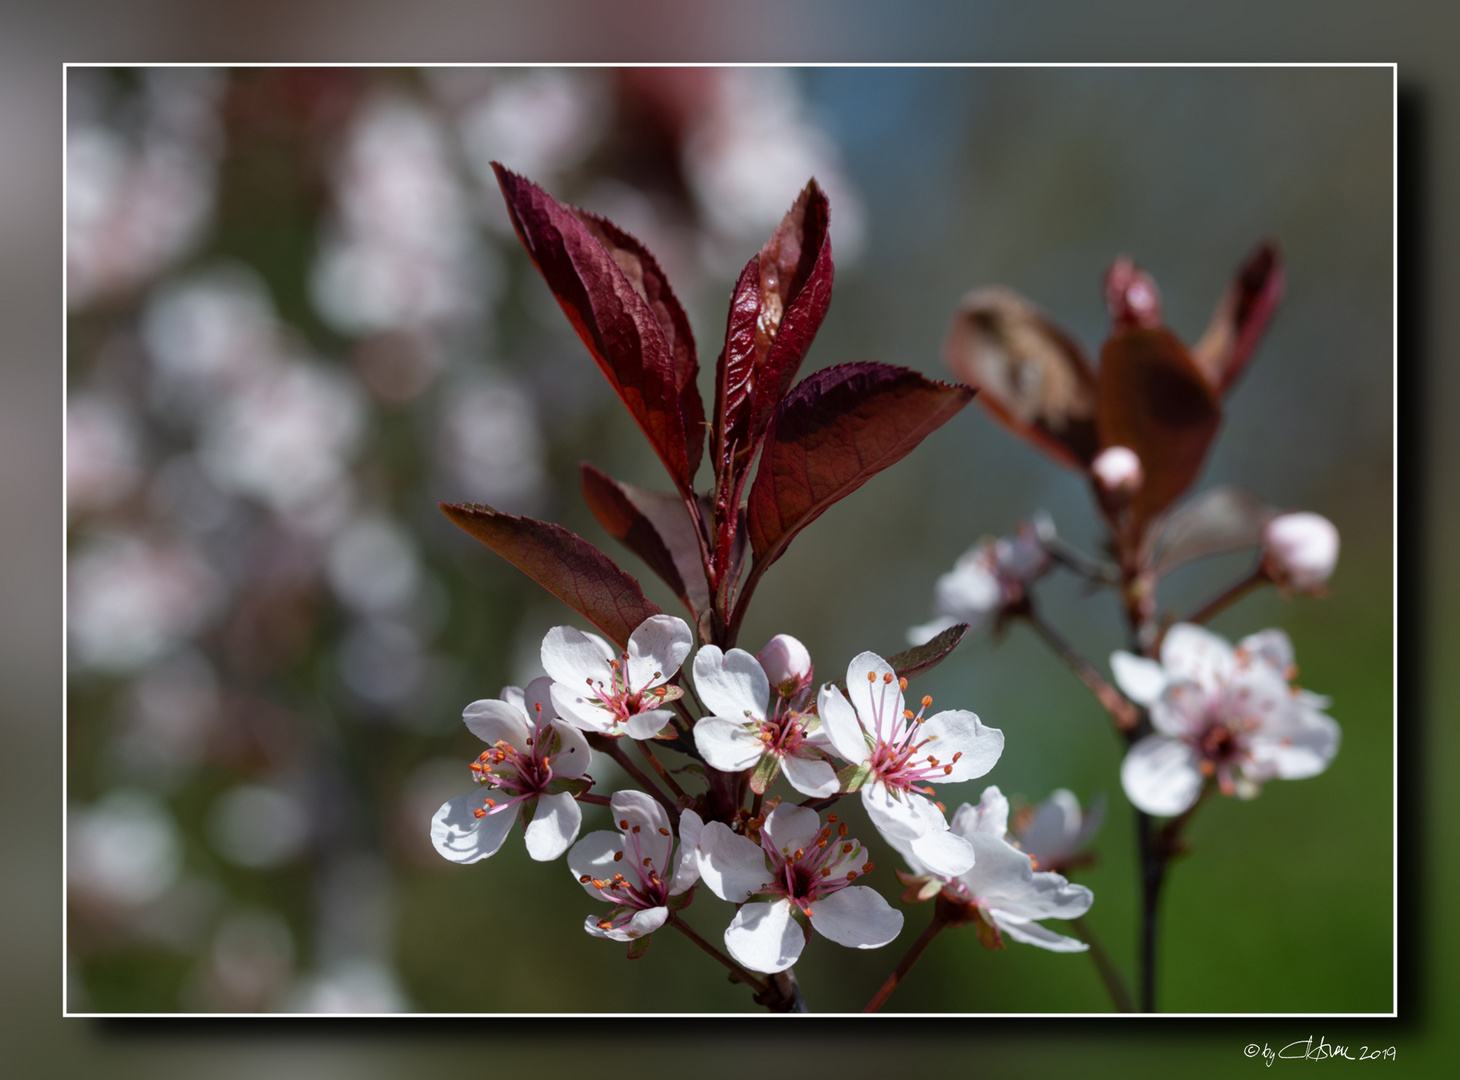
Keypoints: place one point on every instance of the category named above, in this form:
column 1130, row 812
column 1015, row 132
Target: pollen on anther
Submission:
column 624, row 824
column 826, row 871
column 585, row 878
column 605, row 924
column 636, row 828
column 867, row 867
column 663, row 831
column 841, row 830
column 907, row 714
column 851, row 875
column 871, row 676
column 947, row 769
column 927, row 700
column 902, row 684
column 646, row 861
column 887, row 676
column 847, row 848
column 617, row 855
column 479, row 812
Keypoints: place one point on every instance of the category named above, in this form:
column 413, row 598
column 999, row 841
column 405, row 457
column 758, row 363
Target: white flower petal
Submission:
column 538, row 692
column 514, row 696
column 810, row 775
column 593, row 856
column 646, row 828
column 1053, row 832
column 789, row 827
column 579, row 711
column 1139, row 679
column 1299, row 749
column 1031, row 933
column 1002, row 872
column 656, row 649
column 878, row 700
column 643, row 923
column 1272, row 648
column 573, row 757
column 1161, row 775
column 725, row 744
column 1044, row 895
column 839, row 721
column 896, row 814
column 764, row 937
column 959, row 732
column 732, row 865
column 856, row 917
column 571, row 657
column 1181, row 710
column 553, row 827
column 944, row 853
column 1193, row 652
column 459, row 835
column 646, row 725
column 686, row 863
column 490, row 720
column 990, row 816
column 732, row 685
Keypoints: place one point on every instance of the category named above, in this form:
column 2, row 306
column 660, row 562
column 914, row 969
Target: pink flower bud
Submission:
column 1131, row 295
column 1300, row 550
column 1118, row 471
column 787, row 664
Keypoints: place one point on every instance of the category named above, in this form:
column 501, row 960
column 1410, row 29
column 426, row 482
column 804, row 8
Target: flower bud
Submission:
column 1300, row 551
column 787, row 664
column 1118, row 471
column 1131, row 295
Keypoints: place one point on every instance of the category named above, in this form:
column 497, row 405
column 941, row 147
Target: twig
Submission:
column 1109, row 973
column 757, row 984
column 1080, row 563
column 659, row 768
column 905, row 965
column 613, row 751
column 1121, row 710
column 1228, row 596
column 596, row 800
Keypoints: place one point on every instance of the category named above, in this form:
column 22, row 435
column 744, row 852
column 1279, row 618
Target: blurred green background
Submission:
column 297, row 319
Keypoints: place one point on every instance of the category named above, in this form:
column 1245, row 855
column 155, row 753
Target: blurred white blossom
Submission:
column 103, row 459
column 123, row 850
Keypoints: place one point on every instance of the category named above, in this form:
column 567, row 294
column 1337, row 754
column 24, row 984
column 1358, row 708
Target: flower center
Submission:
column 898, row 758
column 621, row 699
column 636, row 888
column 515, row 774
column 829, row 864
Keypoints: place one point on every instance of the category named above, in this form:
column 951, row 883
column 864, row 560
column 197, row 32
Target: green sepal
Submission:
column 853, row 777
column 680, row 901
column 639, row 946
column 574, row 785
column 766, row 770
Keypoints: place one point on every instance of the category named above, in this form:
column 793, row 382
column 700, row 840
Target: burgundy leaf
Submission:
column 655, row 526
column 923, row 657
column 1153, row 399
column 833, row 433
column 1034, row 377
column 620, row 319
column 776, row 308
column 642, row 270
column 567, row 566
column 1243, row 314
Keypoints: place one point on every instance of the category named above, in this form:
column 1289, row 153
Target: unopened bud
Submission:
column 1131, row 295
column 1118, row 471
column 787, row 664
column 1301, row 550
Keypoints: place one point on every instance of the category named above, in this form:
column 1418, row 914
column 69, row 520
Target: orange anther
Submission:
column 907, row 714
column 663, row 831
column 1207, row 768
column 585, row 879
column 947, row 769
column 617, row 855
column 841, row 830
column 871, row 676
column 647, row 861
column 927, row 700
column 887, row 676
column 902, row 684
column 851, row 875
column 866, row 868
column 479, row 812
column 799, row 853
column 636, row 828
column 475, row 766
column 831, row 817
column 624, row 824
column 605, row 924
column 847, row 848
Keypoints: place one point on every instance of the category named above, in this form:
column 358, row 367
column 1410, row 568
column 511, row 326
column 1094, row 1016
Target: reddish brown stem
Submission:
column 923, row 941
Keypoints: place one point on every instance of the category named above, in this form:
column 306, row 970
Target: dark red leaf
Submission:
column 923, row 657
column 1243, row 314
column 655, row 526
column 567, row 566
column 621, row 316
column 834, row 432
column 1034, row 377
column 778, row 305
column 643, row 272
column 1153, row 399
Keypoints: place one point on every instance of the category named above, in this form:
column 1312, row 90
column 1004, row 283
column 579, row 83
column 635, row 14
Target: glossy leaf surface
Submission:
column 834, row 432
column 566, row 565
column 623, row 310
column 1153, row 399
